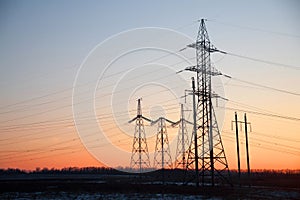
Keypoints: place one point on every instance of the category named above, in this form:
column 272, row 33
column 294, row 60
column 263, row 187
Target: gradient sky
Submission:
column 43, row 44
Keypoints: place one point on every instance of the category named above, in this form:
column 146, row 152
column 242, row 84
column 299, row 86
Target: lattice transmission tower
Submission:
column 162, row 154
column 140, row 155
column 182, row 141
column 206, row 153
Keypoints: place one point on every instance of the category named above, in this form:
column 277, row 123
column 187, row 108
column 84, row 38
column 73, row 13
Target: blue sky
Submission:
column 44, row 42
column 38, row 37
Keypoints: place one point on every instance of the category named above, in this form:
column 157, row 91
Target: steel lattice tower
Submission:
column 182, row 142
column 162, row 155
column 206, row 152
column 140, row 155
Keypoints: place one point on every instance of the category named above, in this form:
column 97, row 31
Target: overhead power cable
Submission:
column 261, row 113
column 262, row 86
column 255, row 29
column 263, row 145
column 263, row 61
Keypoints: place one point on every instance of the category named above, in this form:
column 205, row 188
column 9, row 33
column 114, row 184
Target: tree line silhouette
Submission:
column 66, row 170
column 107, row 170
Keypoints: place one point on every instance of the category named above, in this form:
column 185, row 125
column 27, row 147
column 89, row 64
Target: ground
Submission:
column 151, row 186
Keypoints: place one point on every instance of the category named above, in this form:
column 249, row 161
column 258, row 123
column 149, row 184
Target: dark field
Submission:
column 148, row 186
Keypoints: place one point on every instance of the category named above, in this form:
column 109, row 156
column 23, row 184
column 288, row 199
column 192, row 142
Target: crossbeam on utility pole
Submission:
column 246, row 123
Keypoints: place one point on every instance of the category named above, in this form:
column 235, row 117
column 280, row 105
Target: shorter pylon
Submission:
column 182, row 142
column 162, row 155
column 140, row 155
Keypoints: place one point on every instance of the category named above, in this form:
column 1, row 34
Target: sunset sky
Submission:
column 71, row 72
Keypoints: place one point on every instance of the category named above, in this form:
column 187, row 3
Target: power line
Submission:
column 255, row 29
column 46, row 111
column 110, row 75
column 44, row 137
column 264, row 86
column 261, row 113
column 42, row 149
column 171, row 74
column 263, row 61
column 39, row 151
column 276, row 137
column 56, row 149
column 266, row 145
column 251, row 107
column 256, row 134
column 102, row 78
column 256, row 85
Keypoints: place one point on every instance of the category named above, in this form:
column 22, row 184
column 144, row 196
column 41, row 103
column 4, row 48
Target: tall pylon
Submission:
column 206, row 150
column 162, row 154
column 140, row 155
column 182, row 141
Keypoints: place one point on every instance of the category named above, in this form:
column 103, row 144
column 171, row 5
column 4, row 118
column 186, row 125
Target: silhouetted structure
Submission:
column 237, row 141
column 182, row 142
column 206, row 148
column 162, row 155
column 140, row 155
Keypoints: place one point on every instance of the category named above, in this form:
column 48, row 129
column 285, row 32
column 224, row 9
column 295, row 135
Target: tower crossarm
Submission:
column 213, row 72
column 140, row 117
column 167, row 120
column 207, row 46
column 179, row 121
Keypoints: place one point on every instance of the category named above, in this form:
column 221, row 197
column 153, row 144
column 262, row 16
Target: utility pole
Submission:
column 140, row 155
column 247, row 147
column 237, row 142
column 195, row 133
column 207, row 137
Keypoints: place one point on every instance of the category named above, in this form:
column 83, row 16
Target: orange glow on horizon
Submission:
column 76, row 155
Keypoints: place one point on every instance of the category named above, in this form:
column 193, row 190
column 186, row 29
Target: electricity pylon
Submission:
column 182, row 142
column 162, row 155
column 206, row 151
column 140, row 155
